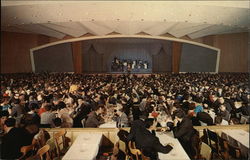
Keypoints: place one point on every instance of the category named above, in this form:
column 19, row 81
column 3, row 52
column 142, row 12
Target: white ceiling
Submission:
column 76, row 18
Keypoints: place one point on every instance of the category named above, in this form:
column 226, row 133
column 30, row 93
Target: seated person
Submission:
column 94, row 119
column 205, row 118
column 122, row 119
column 218, row 120
column 57, row 122
column 15, row 138
column 3, row 116
column 186, row 134
column 148, row 143
column 224, row 113
column 47, row 116
column 234, row 121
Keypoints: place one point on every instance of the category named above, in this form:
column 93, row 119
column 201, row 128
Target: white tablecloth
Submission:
column 177, row 153
column 108, row 125
column 238, row 137
column 85, row 147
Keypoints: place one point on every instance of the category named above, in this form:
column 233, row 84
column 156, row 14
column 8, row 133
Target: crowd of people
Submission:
column 64, row 100
column 128, row 65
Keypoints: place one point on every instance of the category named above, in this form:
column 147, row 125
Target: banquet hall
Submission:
column 125, row 80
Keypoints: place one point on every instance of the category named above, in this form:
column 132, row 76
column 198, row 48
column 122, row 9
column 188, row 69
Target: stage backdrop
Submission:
column 99, row 54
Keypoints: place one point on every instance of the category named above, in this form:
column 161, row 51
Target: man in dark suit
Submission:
column 12, row 141
column 205, row 118
column 184, row 131
column 136, row 127
column 94, row 119
column 147, row 142
column 82, row 111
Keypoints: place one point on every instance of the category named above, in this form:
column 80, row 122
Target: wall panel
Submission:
column 77, row 56
column 15, row 54
column 15, row 50
column 234, row 52
column 176, row 56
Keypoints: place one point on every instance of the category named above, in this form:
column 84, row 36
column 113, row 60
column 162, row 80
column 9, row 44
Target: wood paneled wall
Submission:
column 176, row 56
column 234, row 51
column 77, row 56
column 15, row 50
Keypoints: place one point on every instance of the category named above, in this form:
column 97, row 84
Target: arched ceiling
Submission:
column 58, row 19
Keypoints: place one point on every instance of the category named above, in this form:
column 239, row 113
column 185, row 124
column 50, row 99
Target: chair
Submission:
column 204, row 138
column 223, row 147
column 244, row 119
column 25, row 150
column 42, row 151
column 206, row 151
column 52, row 149
column 133, row 150
column 83, row 122
column 213, row 141
column 136, row 152
column 123, row 147
column 234, row 152
column 42, row 137
column 238, row 115
column 202, row 123
column 28, row 151
column 61, row 144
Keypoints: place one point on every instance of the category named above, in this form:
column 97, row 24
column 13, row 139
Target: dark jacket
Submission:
column 136, row 128
column 13, row 141
column 184, row 130
column 205, row 118
column 186, row 134
column 93, row 120
column 150, row 145
column 147, row 142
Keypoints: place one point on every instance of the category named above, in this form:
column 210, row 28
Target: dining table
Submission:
column 177, row 153
column 85, row 147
